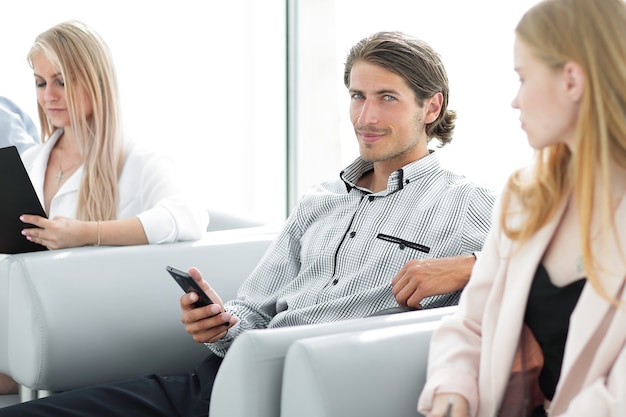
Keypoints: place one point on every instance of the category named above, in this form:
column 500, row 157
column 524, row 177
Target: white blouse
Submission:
column 148, row 189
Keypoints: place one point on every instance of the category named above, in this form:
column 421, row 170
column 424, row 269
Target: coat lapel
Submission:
column 592, row 310
column 521, row 269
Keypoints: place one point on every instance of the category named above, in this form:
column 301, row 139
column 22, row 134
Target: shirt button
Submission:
column 352, row 234
column 371, row 198
column 335, row 281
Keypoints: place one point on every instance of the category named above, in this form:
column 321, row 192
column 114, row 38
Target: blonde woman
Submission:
column 551, row 275
column 96, row 187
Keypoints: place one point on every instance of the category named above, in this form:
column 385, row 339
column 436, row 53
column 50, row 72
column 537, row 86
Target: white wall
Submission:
column 475, row 39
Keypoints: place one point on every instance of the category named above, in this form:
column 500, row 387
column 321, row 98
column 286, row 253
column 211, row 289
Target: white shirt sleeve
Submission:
column 151, row 190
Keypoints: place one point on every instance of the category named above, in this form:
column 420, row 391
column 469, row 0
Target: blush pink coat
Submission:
column 472, row 352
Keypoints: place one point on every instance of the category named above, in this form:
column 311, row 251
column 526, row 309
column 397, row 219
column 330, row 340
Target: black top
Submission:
column 547, row 314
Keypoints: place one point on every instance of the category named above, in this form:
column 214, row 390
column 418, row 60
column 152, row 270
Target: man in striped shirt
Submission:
column 395, row 229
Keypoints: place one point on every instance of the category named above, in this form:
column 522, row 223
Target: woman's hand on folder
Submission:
column 59, row 232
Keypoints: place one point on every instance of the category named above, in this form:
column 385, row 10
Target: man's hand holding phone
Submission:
column 203, row 311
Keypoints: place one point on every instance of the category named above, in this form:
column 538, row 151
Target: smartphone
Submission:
column 187, row 283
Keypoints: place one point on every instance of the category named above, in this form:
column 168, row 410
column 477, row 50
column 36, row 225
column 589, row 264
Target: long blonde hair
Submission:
column 591, row 33
column 85, row 63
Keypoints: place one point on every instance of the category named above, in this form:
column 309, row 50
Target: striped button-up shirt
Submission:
column 342, row 245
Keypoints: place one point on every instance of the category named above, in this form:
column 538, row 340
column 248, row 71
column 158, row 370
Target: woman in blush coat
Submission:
column 552, row 272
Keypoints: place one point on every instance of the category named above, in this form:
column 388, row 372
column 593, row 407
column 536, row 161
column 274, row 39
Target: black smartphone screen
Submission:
column 187, row 283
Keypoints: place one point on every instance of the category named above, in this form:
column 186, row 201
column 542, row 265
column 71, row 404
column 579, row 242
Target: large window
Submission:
column 202, row 81
column 205, row 82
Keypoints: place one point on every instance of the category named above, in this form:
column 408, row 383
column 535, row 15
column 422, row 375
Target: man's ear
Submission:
column 432, row 107
column 574, row 81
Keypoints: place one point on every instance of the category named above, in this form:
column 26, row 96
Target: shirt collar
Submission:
column 398, row 179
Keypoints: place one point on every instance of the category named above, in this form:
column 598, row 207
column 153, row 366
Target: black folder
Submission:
column 17, row 197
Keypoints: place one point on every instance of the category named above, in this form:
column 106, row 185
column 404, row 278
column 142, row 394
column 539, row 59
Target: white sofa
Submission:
column 5, row 262
column 89, row 315
column 370, row 373
column 219, row 220
column 250, row 379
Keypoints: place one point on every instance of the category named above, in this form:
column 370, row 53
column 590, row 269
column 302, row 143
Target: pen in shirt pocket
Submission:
column 403, row 243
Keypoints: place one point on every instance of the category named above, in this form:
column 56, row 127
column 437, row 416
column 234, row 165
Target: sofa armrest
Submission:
column 370, row 373
column 254, row 362
column 225, row 220
column 91, row 315
column 5, row 264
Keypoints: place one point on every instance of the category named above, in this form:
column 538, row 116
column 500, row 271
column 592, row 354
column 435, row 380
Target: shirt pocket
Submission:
column 403, row 243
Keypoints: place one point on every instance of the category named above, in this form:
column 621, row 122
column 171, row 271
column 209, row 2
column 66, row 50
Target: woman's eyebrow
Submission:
column 58, row 74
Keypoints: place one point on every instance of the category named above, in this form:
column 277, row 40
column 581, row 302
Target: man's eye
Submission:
column 357, row 96
column 389, row 98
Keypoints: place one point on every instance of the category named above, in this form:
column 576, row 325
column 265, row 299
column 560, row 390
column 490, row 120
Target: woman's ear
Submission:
column 574, row 80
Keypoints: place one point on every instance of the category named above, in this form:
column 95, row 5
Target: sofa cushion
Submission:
column 90, row 315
